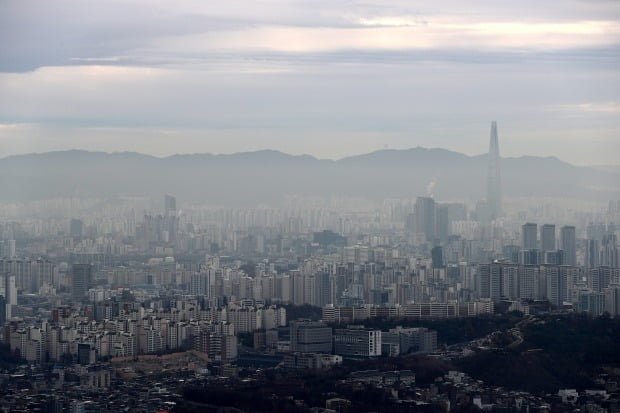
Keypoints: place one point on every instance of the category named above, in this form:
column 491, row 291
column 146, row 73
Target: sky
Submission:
column 329, row 78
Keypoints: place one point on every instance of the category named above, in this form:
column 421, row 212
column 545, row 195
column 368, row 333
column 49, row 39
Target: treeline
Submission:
column 557, row 352
column 451, row 330
column 295, row 312
column 8, row 359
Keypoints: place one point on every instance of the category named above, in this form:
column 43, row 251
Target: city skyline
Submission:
column 296, row 205
column 101, row 297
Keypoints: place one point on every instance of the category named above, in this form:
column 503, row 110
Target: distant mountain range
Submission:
column 267, row 176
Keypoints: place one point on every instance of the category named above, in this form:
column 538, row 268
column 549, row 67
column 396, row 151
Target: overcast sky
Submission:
column 330, row 78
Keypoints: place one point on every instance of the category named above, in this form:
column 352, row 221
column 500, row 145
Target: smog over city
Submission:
column 309, row 206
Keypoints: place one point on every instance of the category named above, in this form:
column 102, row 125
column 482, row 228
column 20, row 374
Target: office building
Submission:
column 357, row 341
column 81, row 279
column 170, row 205
column 86, row 354
column 401, row 340
column 437, row 257
column 424, row 211
column 310, row 336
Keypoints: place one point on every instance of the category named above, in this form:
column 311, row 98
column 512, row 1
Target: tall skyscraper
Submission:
column 494, row 181
column 424, row 211
column 609, row 251
column 10, row 291
column 557, row 284
column 568, row 245
column 591, row 257
column 442, row 220
column 490, row 281
column 547, row 238
column 170, row 204
column 529, row 236
column 81, row 278
column 171, row 219
column 2, row 310
column 76, row 228
column 612, row 301
column 437, row 257
column 7, row 249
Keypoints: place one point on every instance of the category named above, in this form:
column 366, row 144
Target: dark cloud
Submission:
column 40, row 33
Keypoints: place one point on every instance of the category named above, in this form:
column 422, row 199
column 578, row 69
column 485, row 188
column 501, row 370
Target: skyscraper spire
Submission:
column 494, row 181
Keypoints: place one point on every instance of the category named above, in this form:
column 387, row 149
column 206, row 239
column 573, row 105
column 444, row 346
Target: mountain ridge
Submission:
column 281, row 154
column 269, row 176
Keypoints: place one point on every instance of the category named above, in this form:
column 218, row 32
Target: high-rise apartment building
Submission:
column 529, row 236
column 609, row 251
column 599, row 278
column 10, row 291
column 442, row 222
column 592, row 303
column 547, row 238
column 612, row 301
column 568, row 245
column 7, row 249
column 76, row 228
column 490, row 281
column 557, row 284
column 528, row 282
column 591, row 256
column 2, row 310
